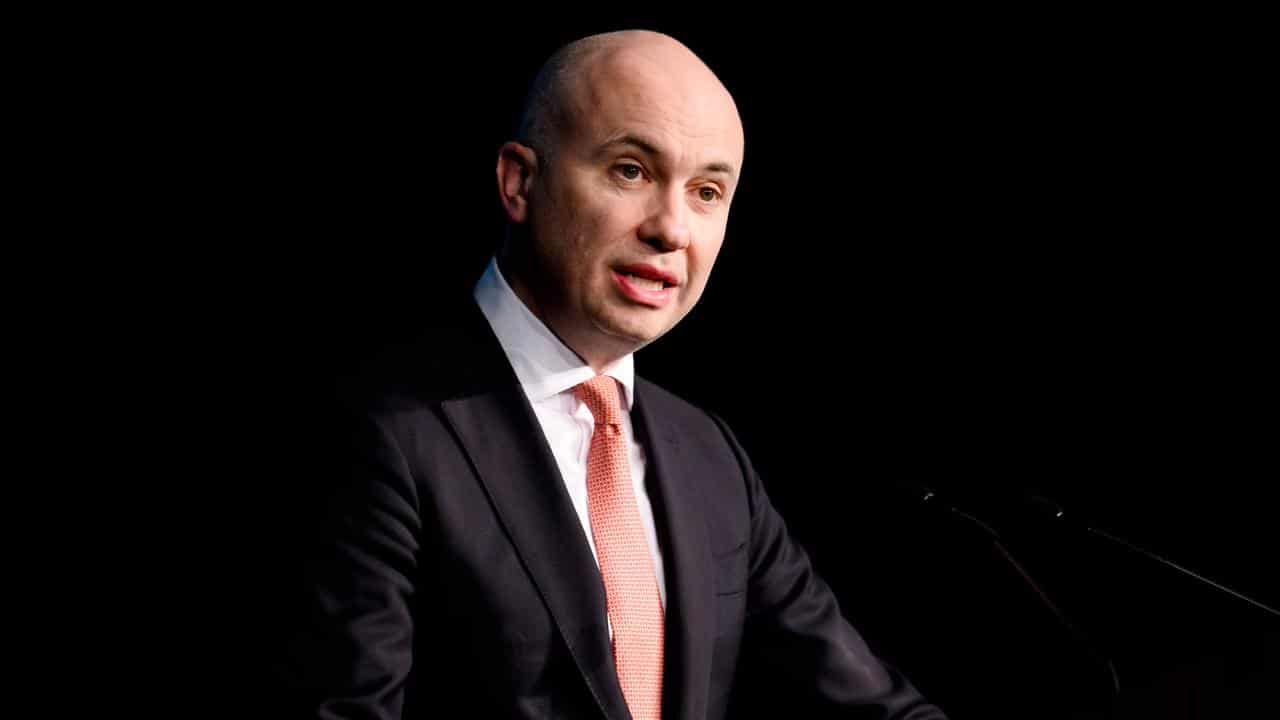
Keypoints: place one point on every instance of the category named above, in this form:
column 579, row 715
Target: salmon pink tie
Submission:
column 631, row 590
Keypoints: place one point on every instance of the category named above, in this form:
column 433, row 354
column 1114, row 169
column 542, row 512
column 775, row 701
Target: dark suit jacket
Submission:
column 451, row 571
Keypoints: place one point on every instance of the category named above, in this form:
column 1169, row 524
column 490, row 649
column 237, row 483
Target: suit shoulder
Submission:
column 454, row 356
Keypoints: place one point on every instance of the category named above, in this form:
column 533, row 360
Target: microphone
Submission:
column 1054, row 514
column 927, row 497
column 1049, row 513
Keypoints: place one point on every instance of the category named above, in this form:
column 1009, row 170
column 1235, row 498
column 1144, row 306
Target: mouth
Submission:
column 645, row 284
column 648, row 276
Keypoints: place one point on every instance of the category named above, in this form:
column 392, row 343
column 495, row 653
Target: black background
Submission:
column 994, row 254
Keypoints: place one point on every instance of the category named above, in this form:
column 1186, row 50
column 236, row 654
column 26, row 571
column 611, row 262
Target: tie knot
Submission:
column 600, row 393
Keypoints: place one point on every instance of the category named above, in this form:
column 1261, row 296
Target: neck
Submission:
column 596, row 357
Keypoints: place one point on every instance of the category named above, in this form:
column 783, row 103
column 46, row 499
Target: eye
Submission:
column 708, row 194
column 630, row 171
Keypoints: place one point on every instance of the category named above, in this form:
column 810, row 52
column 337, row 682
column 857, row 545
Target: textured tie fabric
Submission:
column 631, row 591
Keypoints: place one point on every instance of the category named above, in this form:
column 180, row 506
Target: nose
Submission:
column 667, row 225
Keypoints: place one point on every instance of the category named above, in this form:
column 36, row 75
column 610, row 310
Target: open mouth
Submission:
column 647, row 277
column 643, row 288
column 645, row 283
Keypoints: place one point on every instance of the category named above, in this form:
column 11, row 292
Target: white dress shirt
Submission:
column 548, row 371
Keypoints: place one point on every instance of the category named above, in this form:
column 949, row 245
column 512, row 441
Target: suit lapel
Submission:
column 501, row 435
column 690, row 619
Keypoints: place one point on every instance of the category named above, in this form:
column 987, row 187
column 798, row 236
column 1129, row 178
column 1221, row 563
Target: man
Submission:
column 528, row 529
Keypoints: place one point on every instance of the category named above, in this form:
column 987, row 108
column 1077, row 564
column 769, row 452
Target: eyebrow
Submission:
column 651, row 148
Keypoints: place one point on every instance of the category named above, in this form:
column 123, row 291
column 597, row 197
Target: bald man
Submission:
column 524, row 527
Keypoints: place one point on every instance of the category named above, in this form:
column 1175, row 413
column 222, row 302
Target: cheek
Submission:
column 587, row 220
column 702, row 255
column 614, row 211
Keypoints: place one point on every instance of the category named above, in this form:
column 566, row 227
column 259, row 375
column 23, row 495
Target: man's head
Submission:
column 629, row 155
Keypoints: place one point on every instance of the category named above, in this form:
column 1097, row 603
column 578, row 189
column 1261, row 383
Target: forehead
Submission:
column 676, row 104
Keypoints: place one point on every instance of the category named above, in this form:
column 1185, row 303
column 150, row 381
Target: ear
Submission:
column 517, row 167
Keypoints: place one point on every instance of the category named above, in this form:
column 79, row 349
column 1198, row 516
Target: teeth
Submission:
column 644, row 283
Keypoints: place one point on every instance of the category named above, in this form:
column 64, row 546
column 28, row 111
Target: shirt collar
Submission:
column 544, row 365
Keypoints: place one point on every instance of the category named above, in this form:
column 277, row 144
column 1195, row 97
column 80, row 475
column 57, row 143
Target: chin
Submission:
column 634, row 331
